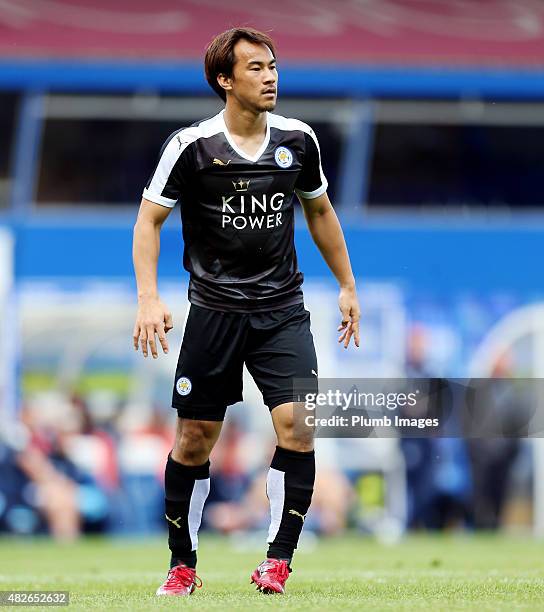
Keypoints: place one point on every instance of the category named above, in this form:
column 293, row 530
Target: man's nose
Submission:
column 269, row 76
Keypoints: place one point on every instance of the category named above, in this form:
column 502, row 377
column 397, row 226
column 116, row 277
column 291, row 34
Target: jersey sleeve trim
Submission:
column 310, row 195
column 324, row 183
column 163, row 182
column 158, row 199
column 172, row 152
column 284, row 123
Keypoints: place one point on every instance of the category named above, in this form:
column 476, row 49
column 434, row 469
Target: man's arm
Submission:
column 153, row 316
column 329, row 238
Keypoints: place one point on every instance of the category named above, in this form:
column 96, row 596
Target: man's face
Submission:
column 254, row 77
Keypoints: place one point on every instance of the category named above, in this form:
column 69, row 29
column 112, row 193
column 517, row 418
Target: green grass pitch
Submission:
column 457, row 572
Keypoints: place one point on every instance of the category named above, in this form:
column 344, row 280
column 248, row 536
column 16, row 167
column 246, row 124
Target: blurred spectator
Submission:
column 437, row 469
column 145, row 439
column 43, row 489
column 493, row 458
column 36, row 496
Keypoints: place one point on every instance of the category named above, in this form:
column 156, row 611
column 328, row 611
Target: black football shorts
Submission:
column 276, row 346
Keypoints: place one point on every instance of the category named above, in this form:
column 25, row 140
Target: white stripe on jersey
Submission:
column 178, row 143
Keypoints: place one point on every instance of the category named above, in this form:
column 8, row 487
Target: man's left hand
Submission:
column 351, row 313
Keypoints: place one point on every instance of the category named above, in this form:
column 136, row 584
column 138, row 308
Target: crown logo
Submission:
column 241, row 184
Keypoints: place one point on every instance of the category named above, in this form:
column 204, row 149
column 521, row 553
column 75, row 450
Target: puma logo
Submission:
column 302, row 516
column 219, row 162
column 314, row 372
column 174, row 522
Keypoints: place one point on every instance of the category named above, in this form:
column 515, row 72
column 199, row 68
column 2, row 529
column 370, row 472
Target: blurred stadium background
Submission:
column 430, row 116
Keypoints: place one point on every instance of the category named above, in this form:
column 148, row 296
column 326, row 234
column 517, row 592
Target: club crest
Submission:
column 283, row 157
column 183, row 386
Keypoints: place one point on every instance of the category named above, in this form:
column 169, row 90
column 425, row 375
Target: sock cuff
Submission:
column 293, row 453
column 189, row 560
column 283, row 457
column 198, row 472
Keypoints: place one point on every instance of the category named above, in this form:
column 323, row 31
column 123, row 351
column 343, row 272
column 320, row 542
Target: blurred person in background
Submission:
column 43, row 489
column 235, row 174
column 145, row 438
column 492, row 458
column 438, row 476
column 35, row 495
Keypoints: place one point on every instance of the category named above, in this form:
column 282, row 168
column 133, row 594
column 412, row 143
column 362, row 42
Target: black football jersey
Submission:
column 237, row 210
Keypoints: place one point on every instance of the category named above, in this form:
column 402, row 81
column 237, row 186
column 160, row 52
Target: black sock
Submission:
column 186, row 486
column 289, row 488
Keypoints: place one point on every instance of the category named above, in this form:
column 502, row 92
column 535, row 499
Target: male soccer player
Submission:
column 235, row 175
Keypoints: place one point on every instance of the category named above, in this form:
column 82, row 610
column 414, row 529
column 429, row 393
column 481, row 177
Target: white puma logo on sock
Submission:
column 175, row 521
column 302, row 516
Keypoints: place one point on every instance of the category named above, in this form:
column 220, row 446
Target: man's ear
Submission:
column 224, row 81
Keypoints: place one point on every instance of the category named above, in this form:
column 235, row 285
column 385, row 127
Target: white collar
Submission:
column 239, row 151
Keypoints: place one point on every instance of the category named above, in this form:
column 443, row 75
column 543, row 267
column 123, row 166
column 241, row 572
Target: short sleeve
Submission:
column 311, row 181
column 170, row 176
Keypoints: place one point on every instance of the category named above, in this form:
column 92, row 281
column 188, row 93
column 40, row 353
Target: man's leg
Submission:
column 281, row 350
column 208, row 379
column 290, row 481
column 187, row 484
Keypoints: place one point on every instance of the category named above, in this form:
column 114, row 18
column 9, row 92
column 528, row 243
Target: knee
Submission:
column 294, row 435
column 193, row 444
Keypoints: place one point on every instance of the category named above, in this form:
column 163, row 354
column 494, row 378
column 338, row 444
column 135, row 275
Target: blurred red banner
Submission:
column 431, row 32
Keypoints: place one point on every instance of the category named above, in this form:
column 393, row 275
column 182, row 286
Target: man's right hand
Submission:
column 153, row 317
